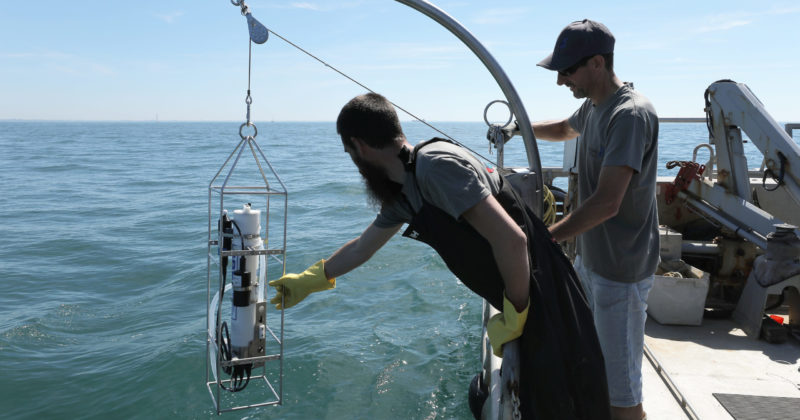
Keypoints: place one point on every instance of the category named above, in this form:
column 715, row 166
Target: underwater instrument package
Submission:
column 245, row 341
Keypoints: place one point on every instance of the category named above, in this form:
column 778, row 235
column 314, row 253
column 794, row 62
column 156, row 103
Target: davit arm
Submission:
column 731, row 108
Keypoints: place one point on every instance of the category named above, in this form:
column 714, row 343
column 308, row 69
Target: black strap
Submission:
column 409, row 158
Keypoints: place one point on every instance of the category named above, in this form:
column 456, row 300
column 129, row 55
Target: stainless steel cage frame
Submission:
column 266, row 189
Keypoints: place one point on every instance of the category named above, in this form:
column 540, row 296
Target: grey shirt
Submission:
column 448, row 177
column 622, row 131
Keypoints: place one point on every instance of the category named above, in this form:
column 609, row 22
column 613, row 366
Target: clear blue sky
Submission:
column 187, row 60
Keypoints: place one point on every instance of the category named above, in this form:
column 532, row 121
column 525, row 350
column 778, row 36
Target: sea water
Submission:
column 103, row 265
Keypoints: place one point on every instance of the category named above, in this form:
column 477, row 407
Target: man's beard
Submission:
column 577, row 92
column 380, row 189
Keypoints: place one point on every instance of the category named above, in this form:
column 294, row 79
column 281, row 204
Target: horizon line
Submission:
column 30, row 120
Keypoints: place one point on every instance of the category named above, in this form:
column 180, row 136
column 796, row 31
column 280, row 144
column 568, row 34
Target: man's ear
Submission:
column 358, row 145
column 598, row 61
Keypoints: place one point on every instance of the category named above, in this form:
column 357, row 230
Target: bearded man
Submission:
column 489, row 239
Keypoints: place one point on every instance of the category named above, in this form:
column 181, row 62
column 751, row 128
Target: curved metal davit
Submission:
column 441, row 17
column 503, row 400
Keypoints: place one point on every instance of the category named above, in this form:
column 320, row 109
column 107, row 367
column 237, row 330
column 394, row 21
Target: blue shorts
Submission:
column 619, row 315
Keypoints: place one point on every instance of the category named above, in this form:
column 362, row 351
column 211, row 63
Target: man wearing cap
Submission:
column 616, row 220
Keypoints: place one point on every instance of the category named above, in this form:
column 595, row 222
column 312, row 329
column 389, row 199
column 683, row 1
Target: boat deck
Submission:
column 718, row 358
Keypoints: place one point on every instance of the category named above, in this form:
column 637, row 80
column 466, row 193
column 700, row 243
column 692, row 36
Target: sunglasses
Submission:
column 569, row 71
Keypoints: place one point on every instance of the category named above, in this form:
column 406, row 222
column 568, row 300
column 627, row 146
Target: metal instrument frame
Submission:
column 265, row 194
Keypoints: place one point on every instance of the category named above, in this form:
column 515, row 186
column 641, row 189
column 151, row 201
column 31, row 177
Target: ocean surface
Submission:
column 103, row 260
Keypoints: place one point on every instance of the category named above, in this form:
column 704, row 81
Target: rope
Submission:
column 675, row 274
column 549, row 216
column 372, row 91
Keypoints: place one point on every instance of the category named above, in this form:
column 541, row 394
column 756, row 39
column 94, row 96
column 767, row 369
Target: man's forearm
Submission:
column 515, row 269
column 344, row 260
column 592, row 213
column 553, row 130
column 602, row 205
column 358, row 251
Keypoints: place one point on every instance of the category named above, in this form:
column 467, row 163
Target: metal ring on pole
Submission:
column 525, row 127
column 486, row 112
column 236, row 2
column 255, row 130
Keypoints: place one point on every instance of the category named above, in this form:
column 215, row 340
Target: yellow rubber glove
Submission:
column 506, row 325
column 293, row 288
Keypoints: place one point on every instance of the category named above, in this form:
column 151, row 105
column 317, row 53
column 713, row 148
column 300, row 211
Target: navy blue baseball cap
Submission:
column 582, row 38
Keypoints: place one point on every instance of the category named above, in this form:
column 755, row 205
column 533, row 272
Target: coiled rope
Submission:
column 549, row 216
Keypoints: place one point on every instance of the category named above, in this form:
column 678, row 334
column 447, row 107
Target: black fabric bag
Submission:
column 562, row 369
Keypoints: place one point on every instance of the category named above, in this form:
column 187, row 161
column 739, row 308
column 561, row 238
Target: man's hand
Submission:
column 511, row 130
column 292, row 288
column 497, row 132
column 506, row 326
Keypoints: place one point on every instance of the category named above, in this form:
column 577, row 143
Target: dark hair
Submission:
column 609, row 61
column 371, row 118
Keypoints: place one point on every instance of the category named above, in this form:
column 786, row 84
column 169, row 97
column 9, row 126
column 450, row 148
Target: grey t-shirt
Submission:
column 449, row 177
column 622, row 131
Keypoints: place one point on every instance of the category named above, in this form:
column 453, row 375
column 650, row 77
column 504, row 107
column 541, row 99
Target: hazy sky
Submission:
column 187, row 60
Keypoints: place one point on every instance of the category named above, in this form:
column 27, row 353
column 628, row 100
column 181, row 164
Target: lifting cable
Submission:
column 372, row 91
column 550, row 203
column 261, row 33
